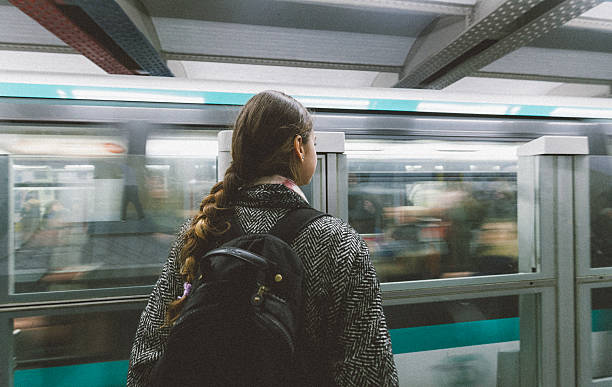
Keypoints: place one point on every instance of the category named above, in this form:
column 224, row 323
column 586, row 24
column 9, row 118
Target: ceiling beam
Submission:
column 37, row 48
column 109, row 33
column 57, row 21
column 127, row 23
column 452, row 48
column 438, row 7
column 280, row 62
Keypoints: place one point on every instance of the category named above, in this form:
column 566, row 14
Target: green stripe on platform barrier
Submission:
column 104, row 374
column 427, row 338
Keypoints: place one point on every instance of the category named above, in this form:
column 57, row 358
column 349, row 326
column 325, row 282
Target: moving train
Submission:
column 99, row 172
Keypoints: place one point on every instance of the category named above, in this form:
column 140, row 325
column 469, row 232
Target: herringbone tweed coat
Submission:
column 344, row 323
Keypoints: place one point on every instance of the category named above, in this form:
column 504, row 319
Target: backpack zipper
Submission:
column 257, row 299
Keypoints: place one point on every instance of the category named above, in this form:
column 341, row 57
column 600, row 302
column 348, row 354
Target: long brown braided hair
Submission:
column 262, row 145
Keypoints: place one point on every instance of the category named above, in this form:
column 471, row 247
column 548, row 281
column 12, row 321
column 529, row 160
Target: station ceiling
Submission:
column 530, row 47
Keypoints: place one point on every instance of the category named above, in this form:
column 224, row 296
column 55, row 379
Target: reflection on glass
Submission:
column 435, row 210
column 456, row 343
column 83, row 222
column 601, row 336
column 600, row 190
column 66, row 349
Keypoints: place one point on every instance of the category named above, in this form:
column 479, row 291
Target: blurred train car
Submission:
column 99, row 173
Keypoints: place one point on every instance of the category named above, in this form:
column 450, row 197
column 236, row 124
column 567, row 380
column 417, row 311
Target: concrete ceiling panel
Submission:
column 578, row 39
column 274, row 13
column 18, row 28
column 555, row 62
column 474, row 85
column 582, row 90
column 48, row 62
column 274, row 74
column 239, row 40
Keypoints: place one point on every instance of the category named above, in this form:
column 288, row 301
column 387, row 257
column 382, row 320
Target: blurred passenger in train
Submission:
column 465, row 215
column 440, row 228
column 130, row 188
column 52, row 232
column 601, row 229
column 30, row 216
column 63, row 241
column 54, row 216
column 366, row 215
column 346, row 341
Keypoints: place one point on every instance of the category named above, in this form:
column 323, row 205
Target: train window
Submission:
column 435, row 209
column 100, row 212
column 600, row 191
column 467, row 342
column 74, row 349
column 601, row 333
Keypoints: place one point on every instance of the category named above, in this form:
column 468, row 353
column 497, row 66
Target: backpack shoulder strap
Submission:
column 288, row 227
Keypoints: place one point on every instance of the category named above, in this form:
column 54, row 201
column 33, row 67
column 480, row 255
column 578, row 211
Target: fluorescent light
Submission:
column 430, row 150
column 158, row 167
column 62, row 145
column 80, row 167
column 181, row 147
column 16, row 166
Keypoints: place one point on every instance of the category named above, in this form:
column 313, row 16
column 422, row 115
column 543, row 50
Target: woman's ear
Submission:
column 298, row 146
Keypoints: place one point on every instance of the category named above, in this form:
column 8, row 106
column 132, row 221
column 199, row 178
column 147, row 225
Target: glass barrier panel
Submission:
column 600, row 193
column 601, row 335
column 73, row 349
column 473, row 342
column 433, row 209
column 315, row 188
column 98, row 222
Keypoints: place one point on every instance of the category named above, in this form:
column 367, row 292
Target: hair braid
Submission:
column 205, row 231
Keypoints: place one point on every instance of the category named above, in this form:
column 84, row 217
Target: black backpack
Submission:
column 241, row 324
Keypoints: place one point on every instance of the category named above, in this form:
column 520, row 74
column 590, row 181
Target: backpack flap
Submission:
column 235, row 264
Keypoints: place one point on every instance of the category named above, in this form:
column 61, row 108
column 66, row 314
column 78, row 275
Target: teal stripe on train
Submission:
column 73, row 92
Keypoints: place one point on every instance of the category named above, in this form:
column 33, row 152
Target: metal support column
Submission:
column 6, row 335
column 549, row 245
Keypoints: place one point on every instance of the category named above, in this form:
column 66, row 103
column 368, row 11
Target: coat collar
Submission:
column 278, row 179
column 271, row 196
